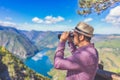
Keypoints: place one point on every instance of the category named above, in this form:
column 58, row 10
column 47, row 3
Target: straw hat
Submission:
column 84, row 29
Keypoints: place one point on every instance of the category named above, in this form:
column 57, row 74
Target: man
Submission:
column 83, row 63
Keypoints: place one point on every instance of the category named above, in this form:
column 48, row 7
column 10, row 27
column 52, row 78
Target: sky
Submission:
column 56, row 15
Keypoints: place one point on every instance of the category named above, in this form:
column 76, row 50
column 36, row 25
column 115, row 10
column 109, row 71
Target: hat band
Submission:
column 82, row 31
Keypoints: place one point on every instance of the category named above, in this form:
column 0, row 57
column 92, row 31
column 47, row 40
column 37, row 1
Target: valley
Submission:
column 22, row 43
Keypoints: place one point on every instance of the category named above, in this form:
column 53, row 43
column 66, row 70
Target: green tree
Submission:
column 98, row 6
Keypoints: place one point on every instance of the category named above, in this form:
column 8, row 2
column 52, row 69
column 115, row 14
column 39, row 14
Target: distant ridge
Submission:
column 42, row 39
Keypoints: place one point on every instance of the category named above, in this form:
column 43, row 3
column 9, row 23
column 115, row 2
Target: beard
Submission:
column 76, row 43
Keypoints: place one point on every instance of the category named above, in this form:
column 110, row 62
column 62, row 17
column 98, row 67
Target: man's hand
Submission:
column 64, row 36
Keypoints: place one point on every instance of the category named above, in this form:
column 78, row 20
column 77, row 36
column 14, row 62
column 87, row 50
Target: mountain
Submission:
column 42, row 39
column 104, row 37
column 11, row 68
column 16, row 42
column 107, row 45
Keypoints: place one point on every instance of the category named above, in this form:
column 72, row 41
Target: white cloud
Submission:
column 115, row 11
column 37, row 20
column 7, row 23
column 44, row 27
column 107, row 30
column 88, row 19
column 114, row 16
column 48, row 19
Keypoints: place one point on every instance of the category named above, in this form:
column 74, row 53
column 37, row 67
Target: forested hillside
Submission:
column 12, row 68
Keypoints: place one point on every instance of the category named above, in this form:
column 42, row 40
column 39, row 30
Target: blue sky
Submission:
column 55, row 15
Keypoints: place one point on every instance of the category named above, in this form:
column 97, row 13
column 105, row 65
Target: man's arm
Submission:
column 65, row 63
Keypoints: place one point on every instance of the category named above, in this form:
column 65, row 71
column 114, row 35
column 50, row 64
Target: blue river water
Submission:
column 40, row 63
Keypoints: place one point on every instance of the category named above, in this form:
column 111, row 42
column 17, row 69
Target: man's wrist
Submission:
column 62, row 40
column 61, row 44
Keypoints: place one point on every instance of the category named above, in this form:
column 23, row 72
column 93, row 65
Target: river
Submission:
column 40, row 63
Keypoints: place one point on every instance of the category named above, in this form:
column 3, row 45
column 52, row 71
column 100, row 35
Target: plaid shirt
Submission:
column 82, row 65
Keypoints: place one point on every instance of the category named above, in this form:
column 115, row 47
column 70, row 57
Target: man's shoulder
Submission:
column 86, row 51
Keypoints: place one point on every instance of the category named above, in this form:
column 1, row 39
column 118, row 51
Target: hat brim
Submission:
column 89, row 35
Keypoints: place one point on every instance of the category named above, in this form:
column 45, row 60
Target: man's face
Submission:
column 76, row 38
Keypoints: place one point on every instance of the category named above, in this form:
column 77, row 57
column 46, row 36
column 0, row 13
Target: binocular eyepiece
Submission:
column 70, row 35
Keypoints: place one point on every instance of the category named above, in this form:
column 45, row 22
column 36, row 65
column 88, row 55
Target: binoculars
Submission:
column 70, row 35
